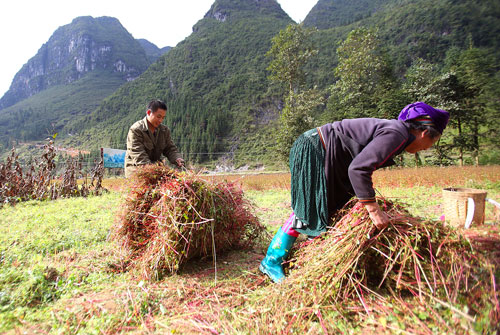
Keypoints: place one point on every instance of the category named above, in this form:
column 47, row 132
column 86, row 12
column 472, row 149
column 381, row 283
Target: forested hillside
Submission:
column 214, row 82
column 409, row 29
column 443, row 52
column 152, row 51
column 335, row 13
column 222, row 104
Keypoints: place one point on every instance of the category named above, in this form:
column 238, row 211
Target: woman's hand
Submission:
column 179, row 162
column 379, row 218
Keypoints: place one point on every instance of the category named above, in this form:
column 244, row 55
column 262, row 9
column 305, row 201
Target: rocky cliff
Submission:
column 84, row 45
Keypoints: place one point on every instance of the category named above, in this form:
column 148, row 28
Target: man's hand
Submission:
column 379, row 218
column 179, row 162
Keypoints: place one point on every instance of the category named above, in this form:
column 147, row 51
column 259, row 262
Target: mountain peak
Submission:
column 75, row 49
column 91, row 19
column 333, row 13
column 223, row 10
column 152, row 51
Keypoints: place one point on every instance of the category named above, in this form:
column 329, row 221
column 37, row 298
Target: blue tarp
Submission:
column 114, row 158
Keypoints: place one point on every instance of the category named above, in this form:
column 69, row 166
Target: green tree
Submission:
column 423, row 82
column 296, row 118
column 290, row 51
column 419, row 81
column 450, row 94
column 476, row 72
column 366, row 85
column 466, row 90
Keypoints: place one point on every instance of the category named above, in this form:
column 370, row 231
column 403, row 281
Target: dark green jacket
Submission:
column 144, row 147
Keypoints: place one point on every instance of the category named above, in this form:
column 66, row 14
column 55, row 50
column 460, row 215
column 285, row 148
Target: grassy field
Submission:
column 60, row 273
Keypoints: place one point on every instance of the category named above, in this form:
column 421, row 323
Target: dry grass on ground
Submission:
column 392, row 177
column 208, row 298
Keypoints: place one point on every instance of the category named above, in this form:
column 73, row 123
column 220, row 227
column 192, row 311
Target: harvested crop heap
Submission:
column 419, row 276
column 171, row 217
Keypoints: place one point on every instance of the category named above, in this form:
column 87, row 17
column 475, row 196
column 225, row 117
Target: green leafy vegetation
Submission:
column 41, row 245
column 290, row 51
column 334, row 13
column 366, row 85
column 152, row 51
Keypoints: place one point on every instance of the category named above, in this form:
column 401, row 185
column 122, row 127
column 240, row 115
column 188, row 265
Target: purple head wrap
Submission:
column 419, row 110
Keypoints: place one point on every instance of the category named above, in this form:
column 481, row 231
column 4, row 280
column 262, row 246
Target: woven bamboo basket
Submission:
column 456, row 205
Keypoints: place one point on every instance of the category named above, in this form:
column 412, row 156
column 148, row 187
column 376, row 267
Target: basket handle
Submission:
column 471, row 207
column 493, row 202
column 497, row 208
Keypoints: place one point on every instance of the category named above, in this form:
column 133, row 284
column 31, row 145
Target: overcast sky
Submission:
column 25, row 25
